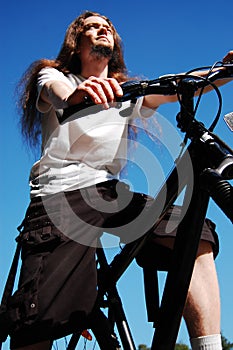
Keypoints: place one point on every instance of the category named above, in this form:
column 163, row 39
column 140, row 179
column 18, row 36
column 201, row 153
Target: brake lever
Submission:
column 228, row 118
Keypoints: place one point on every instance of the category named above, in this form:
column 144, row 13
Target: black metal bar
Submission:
column 180, row 272
column 107, row 285
column 73, row 341
column 187, row 237
column 170, row 190
column 120, row 319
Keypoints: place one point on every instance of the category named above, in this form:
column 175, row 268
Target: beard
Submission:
column 101, row 51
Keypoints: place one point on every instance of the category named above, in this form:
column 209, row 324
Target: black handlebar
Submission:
column 165, row 85
column 132, row 90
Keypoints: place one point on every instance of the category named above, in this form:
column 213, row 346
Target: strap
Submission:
column 11, row 278
column 9, row 286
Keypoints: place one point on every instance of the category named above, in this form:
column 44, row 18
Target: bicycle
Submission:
column 210, row 179
column 212, row 161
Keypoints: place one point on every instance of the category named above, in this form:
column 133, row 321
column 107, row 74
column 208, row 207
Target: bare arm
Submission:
column 100, row 90
column 154, row 101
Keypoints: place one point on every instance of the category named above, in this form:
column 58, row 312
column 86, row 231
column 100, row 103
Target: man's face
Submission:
column 97, row 33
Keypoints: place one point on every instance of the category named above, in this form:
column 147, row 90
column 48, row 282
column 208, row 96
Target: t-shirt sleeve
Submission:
column 44, row 76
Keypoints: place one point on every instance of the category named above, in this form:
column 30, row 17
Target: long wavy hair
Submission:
column 67, row 62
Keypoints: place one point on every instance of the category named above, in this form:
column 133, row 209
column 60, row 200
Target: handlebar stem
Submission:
column 186, row 90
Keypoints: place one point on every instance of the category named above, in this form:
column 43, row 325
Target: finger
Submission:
column 103, row 88
column 96, row 93
column 110, row 86
column 87, row 90
column 107, row 89
column 228, row 57
column 115, row 87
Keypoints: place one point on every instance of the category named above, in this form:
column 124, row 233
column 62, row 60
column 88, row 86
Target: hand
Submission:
column 100, row 90
column 229, row 57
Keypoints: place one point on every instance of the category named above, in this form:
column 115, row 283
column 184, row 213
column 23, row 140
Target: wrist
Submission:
column 76, row 97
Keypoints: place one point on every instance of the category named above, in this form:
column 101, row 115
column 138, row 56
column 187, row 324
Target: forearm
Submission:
column 218, row 82
column 154, row 101
column 60, row 95
column 56, row 93
column 100, row 91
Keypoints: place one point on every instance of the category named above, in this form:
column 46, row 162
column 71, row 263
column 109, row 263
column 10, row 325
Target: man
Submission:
column 80, row 165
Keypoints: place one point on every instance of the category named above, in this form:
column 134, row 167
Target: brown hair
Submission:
column 67, row 61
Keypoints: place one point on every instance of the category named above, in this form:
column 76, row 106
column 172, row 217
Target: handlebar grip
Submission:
column 131, row 90
column 63, row 114
column 229, row 69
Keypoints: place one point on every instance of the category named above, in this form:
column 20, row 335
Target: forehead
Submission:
column 95, row 19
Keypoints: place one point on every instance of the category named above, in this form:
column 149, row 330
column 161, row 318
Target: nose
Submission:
column 103, row 30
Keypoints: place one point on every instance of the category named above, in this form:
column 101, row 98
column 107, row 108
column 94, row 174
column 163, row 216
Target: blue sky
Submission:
column 159, row 37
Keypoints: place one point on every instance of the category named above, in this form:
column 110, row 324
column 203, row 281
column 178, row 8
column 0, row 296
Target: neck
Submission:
column 96, row 69
column 94, row 65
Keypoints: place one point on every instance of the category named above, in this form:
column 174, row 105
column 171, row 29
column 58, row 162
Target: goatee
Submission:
column 101, row 51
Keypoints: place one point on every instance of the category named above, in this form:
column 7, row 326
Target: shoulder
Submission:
column 50, row 73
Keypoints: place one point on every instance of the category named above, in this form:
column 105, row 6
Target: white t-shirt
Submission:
column 83, row 151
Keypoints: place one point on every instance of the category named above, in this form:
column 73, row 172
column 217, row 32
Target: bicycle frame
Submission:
column 209, row 180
